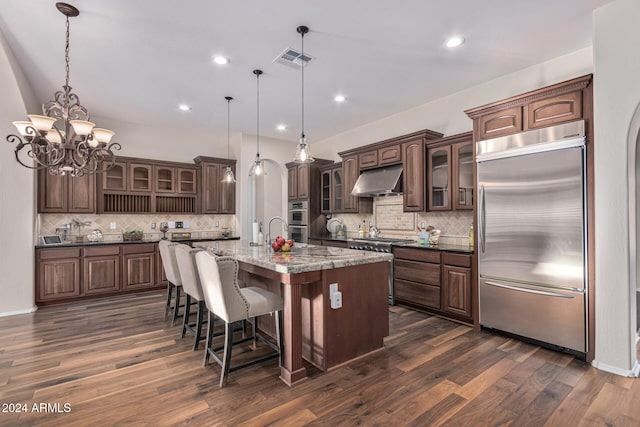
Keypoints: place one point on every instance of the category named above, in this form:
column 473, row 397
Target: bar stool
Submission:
column 188, row 270
column 170, row 265
column 226, row 300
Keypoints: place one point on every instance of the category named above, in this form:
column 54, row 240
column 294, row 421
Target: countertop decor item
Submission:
column 77, row 147
column 257, row 168
column 79, row 224
column 303, row 154
column 228, row 172
column 132, row 235
column 95, row 236
column 164, row 227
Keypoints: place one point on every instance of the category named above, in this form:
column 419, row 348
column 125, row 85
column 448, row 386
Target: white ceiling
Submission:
column 135, row 61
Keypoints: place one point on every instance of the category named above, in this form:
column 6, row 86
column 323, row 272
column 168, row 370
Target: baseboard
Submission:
column 616, row 370
column 636, row 369
column 13, row 313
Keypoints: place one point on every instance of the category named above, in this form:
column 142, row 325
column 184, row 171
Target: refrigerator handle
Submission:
column 531, row 291
column 481, row 228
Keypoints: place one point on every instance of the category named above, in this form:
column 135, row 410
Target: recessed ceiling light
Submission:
column 184, row 107
column 455, row 41
column 281, row 127
column 221, row 60
column 339, row 98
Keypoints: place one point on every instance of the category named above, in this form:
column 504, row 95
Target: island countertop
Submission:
column 302, row 257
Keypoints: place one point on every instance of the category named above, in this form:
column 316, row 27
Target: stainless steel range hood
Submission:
column 379, row 182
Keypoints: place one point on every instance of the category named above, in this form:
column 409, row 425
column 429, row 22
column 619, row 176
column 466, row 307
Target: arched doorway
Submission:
column 633, row 168
column 267, row 196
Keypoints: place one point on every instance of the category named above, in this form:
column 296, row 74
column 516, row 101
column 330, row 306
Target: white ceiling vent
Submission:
column 293, row 58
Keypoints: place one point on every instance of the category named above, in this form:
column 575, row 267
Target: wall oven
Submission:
column 298, row 213
column 299, row 233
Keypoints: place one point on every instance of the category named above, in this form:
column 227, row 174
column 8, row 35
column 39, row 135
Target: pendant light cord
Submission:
column 228, row 124
column 258, row 114
column 302, row 63
column 66, row 53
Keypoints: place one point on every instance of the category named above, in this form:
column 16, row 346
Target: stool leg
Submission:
column 209, row 343
column 254, row 344
column 199, row 325
column 185, row 317
column 167, row 306
column 176, row 306
column 279, row 342
column 228, row 344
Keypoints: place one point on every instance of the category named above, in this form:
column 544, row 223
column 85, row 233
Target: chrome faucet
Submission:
column 284, row 222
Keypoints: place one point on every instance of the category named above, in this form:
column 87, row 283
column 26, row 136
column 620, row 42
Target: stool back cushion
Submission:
column 169, row 262
column 188, row 270
column 219, row 279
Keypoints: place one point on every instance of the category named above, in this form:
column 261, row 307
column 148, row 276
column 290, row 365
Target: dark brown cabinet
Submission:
column 101, row 270
column 387, row 155
column 292, row 182
column 138, row 266
column 434, row 281
column 332, row 189
column 413, row 176
column 439, row 177
column 504, row 122
column 65, row 194
column 216, row 196
column 115, row 178
column 57, row 274
column 298, row 181
column 165, row 179
column 462, row 173
column 140, row 177
column 368, row 160
column 350, row 173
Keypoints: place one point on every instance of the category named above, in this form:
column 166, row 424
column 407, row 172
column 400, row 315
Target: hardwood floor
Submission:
column 117, row 362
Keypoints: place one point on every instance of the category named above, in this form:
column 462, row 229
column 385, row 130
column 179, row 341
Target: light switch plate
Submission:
column 172, row 224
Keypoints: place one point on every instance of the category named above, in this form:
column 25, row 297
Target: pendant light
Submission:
column 228, row 172
column 303, row 153
column 258, row 168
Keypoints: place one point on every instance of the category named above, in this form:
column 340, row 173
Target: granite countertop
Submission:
column 439, row 247
column 134, row 242
column 302, row 257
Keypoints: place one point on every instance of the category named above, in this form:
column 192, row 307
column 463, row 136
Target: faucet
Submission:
column 286, row 227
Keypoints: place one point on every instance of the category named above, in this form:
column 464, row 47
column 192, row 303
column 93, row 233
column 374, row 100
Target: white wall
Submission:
column 446, row 115
column 617, row 93
column 16, row 195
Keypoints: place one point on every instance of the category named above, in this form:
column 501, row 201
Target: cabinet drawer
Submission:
column 417, row 272
column 417, row 293
column 102, row 250
column 389, row 155
column 562, row 108
column 59, row 253
column 459, row 260
column 335, row 244
column 138, row 248
column 500, row 123
column 424, row 255
column 368, row 159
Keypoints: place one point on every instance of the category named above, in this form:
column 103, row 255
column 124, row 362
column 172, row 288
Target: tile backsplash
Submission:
column 389, row 218
column 199, row 225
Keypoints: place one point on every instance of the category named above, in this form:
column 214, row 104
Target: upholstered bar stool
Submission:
column 193, row 291
column 226, row 300
column 170, row 265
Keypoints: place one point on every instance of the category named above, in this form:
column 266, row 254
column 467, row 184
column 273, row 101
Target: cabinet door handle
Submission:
column 530, row 291
column 481, row 228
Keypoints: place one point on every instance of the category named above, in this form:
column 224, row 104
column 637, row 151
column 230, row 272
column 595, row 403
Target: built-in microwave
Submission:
column 298, row 213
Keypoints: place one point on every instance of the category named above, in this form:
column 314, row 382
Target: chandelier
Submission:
column 303, row 152
column 257, row 168
column 76, row 147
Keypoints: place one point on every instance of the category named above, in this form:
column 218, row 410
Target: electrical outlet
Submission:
column 172, row 224
column 216, row 224
column 179, row 224
column 423, row 225
column 335, row 296
column 112, row 226
column 185, row 224
column 153, row 225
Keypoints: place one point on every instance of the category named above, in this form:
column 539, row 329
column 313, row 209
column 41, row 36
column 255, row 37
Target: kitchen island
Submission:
column 313, row 330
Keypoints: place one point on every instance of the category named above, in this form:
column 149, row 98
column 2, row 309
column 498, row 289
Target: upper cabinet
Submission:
column 165, row 179
column 350, row 173
column 332, row 189
column 439, row 177
column 304, row 180
column 548, row 106
column 450, row 177
column 64, row 193
column 216, row 196
column 413, row 176
column 140, row 177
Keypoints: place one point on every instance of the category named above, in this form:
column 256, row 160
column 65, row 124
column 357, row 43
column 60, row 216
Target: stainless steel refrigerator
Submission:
column 532, row 235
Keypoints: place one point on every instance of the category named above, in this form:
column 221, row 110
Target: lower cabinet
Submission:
column 138, row 266
column 101, row 267
column 434, row 281
column 65, row 274
column 58, row 274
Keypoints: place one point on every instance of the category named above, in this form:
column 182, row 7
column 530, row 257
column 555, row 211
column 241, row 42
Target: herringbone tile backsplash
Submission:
column 389, row 218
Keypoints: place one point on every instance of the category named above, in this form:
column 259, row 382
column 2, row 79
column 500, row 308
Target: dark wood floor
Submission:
column 118, row 362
